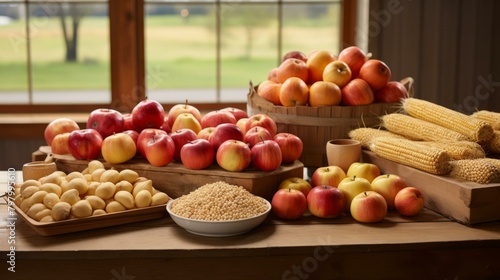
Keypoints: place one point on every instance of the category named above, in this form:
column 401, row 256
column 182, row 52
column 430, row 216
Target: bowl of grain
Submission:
column 218, row 209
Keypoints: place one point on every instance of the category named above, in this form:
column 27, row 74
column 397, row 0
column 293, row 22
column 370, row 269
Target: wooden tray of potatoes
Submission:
column 92, row 222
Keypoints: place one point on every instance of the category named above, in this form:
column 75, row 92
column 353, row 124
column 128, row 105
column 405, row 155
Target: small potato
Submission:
column 140, row 179
column 54, row 177
column 96, row 174
column 34, row 209
column 88, row 177
column 37, row 197
column 115, row 206
column 29, row 191
column 79, row 184
column 143, row 199
column 70, row 196
column 105, row 190
column 81, row 209
column 50, row 200
column 94, row 165
column 47, row 219
column 86, row 171
column 18, row 199
column 28, row 183
column 51, row 188
column 125, row 198
column 159, row 198
column 98, row 212
column 74, row 175
column 61, row 211
column 96, row 202
column 42, row 214
column 92, row 187
column 144, row 185
column 128, row 175
column 110, row 175
column 124, row 186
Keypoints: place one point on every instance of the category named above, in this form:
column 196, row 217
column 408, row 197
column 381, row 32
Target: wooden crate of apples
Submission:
column 323, row 79
column 362, row 192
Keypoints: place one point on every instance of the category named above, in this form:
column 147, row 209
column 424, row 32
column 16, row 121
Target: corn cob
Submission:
column 365, row 135
column 418, row 129
column 412, row 153
column 493, row 118
column 477, row 130
column 459, row 149
column 475, row 170
column 494, row 144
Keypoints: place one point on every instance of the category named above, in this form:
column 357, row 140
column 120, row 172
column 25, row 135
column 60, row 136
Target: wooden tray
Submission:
column 94, row 222
column 177, row 180
column 466, row 202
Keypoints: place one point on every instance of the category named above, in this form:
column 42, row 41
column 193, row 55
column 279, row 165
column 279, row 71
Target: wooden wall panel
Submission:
column 449, row 47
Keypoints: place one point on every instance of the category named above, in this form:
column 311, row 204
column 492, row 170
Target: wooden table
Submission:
column 428, row 246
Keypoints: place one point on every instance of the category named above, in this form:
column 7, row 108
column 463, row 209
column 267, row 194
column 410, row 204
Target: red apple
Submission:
column 325, row 201
column 118, row 148
column 133, row 134
column 233, row 155
column 224, row 132
column 60, row 144
column 273, row 75
column 148, row 114
column 337, row 72
column 266, row 155
column 292, row 67
column 186, row 120
column 291, row 146
column 294, row 92
column 58, row 126
column 388, row 185
column 85, row 144
column 197, row 154
column 394, row 91
column 165, row 126
column 289, row 204
column 270, row 91
column 256, row 134
column 376, row 73
column 327, row 175
column 105, row 121
column 180, row 138
column 316, row 63
column 237, row 113
column 159, row 149
column 295, row 54
column 352, row 186
column 127, row 122
column 296, row 183
column 262, row 120
column 205, row 133
column 369, row 171
column 242, row 124
column 368, row 207
column 214, row 118
column 145, row 136
column 357, row 92
column 178, row 109
column 354, row 57
column 409, row 201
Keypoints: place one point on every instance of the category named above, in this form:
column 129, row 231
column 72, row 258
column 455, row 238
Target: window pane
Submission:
column 180, row 52
column 13, row 58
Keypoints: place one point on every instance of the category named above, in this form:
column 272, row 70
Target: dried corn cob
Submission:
column 459, row 149
column 477, row 130
column 418, row 129
column 366, row 134
column 493, row 118
column 475, row 170
column 412, row 153
column 494, row 144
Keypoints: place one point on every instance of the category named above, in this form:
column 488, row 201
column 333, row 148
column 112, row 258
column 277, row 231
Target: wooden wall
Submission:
column 450, row 47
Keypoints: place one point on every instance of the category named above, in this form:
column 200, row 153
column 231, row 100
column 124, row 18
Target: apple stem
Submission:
column 354, row 178
column 261, row 139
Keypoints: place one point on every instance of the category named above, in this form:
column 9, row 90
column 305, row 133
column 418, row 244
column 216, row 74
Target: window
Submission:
column 206, row 51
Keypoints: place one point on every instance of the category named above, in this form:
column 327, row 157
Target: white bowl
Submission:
column 218, row 228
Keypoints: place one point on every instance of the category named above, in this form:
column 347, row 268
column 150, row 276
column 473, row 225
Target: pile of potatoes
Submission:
column 94, row 191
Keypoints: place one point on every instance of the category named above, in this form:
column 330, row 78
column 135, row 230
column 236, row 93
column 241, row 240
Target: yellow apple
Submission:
column 369, row 171
column 296, row 183
column 388, row 185
column 323, row 93
column 118, row 148
column 351, row 187
column 186, row 120
column 316, row 63
column 294, row 92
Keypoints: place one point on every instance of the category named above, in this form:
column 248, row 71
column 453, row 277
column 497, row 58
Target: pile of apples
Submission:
column 362, row 192
column 323, row 79
column 228, row 136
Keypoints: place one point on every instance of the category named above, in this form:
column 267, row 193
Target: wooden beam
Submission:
column 348, row 23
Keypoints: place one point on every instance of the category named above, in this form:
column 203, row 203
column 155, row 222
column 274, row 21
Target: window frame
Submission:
column 127, row 64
